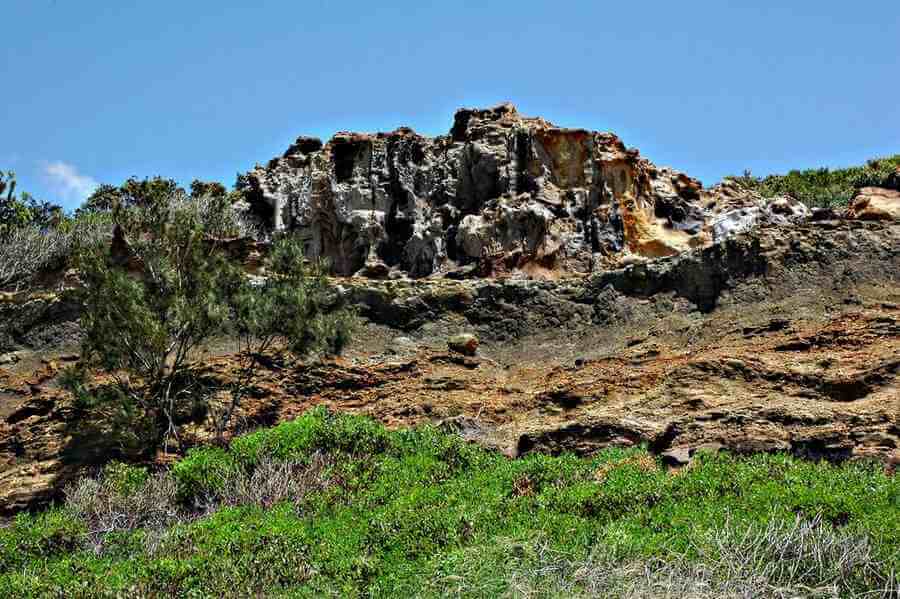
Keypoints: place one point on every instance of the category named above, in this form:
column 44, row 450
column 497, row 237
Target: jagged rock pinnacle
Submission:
column 500, row 193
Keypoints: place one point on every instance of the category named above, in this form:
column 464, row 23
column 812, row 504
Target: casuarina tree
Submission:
column 168, row 288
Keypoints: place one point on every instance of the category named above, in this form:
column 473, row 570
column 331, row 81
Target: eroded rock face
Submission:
column 499, row 184
column 774, row 340
column 875, row 203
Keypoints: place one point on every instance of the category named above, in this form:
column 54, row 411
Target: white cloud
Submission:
column 68, row 182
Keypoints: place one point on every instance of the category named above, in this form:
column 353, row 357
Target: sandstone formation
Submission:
column 701, row 319
column 544, row 199
column 875, row 203
column 777, row 339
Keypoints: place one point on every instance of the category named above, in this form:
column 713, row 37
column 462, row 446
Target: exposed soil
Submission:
column 784, row 340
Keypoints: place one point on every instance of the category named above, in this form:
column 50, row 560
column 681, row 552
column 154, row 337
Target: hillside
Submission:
column 338, row 506
column 573, row 371
column 827, row 188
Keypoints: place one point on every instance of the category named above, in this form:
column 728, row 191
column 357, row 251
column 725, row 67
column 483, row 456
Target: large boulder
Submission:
column 875, row 203
column 498, row 183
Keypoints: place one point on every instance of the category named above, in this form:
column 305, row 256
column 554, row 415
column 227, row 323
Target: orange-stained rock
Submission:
column 875, row 203
column 499, row 183
column 464, row 343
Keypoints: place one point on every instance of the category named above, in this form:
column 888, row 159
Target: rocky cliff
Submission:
column 501, row 190
column 694, row 327
column 772, row 340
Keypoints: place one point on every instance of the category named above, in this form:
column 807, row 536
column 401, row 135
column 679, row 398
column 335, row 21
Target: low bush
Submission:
column 335, row 505
column 206, row 471
column 781, row 559
column 37, row 237
column 123, row 499
column 27, row 251
column 826, row 188
column 210, row 203
column 272, row 482
column 31, row 539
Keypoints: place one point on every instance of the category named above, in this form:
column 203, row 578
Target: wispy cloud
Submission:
column 68, row 182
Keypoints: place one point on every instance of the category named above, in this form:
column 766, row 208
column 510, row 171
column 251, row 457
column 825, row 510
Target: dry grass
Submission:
column 220, row 219
column 26, row 252
column 108, row 505
column 641, row 461
column 273, row 482
column 780, row 561
column 107, row 508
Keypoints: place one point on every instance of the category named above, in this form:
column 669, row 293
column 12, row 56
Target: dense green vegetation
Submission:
column 21, row 209
column 338, row 506
column 824, row 187
column 148, row 331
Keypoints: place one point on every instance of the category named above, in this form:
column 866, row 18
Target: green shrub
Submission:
column 316, row 430
column 125, row 479
column 203, row 471
column 187, row 292
column 32, row 539
column 823, row 187
column 362, row 511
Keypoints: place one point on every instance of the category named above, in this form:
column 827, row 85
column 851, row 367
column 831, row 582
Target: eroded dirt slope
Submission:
column 778, row 340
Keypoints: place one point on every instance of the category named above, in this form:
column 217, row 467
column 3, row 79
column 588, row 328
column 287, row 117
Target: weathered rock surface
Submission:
column 545, row 198
column 36, row 321
column 463, row 343
column 875, row 203
column 779, row 339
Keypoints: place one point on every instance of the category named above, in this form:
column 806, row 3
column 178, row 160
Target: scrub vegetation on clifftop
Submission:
column 337, row 505
column 823, row 187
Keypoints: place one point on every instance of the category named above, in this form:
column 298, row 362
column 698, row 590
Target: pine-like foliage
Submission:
column 148, row 313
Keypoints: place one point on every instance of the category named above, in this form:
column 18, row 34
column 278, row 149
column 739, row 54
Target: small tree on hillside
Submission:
column 146, row 326
column 295, row 307
column 134, row 192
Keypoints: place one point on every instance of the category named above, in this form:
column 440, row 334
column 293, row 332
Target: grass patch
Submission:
column 335, row 505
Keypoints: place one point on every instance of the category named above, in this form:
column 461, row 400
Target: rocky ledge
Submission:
column 778, row 339
column 500, row 188
column 671, row 318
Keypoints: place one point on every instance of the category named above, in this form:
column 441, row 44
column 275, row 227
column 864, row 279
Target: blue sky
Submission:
column 96, row 91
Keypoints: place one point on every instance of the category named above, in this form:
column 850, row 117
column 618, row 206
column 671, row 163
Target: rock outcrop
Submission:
column 541, row 197
column 772, row 340
column 698, row 324
column 875, row 203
